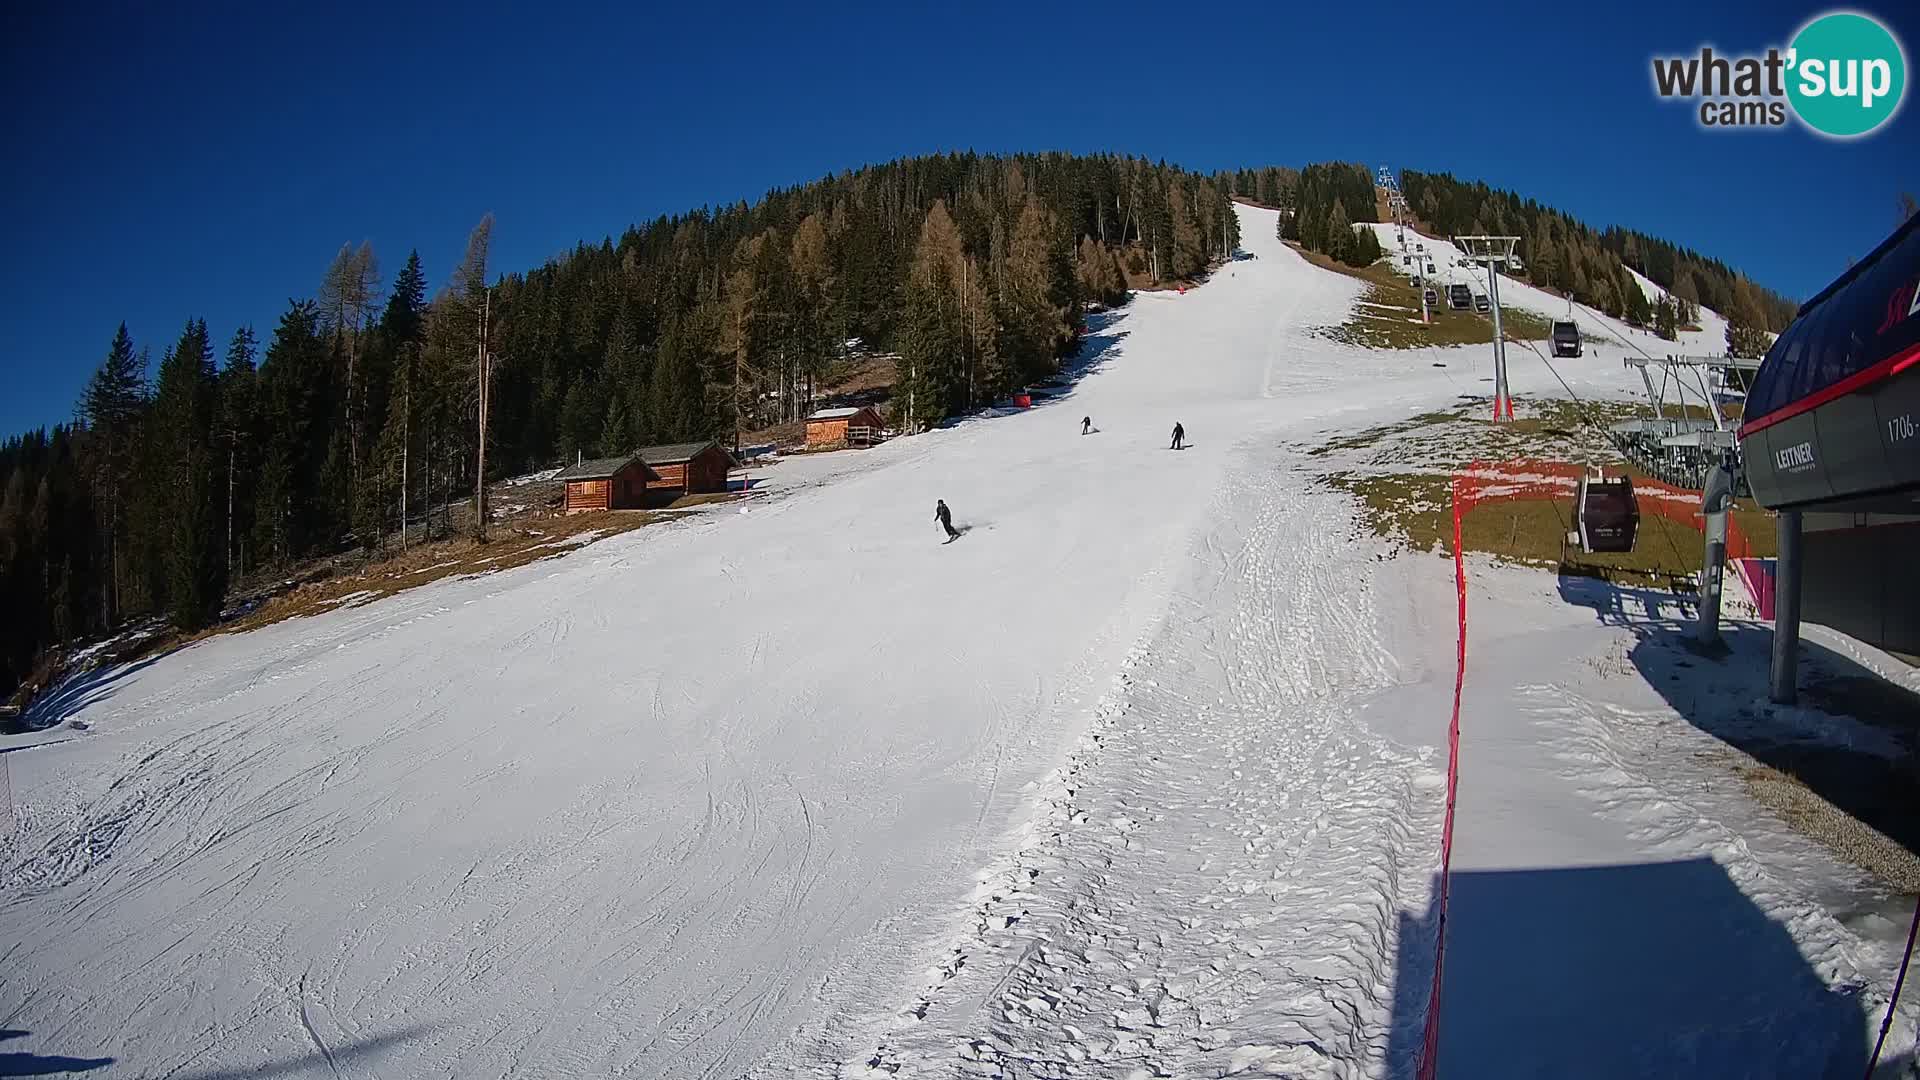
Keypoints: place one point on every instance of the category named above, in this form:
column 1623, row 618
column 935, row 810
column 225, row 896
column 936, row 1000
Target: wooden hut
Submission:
column 615, row 483
column 686, row 468
column 858, row 426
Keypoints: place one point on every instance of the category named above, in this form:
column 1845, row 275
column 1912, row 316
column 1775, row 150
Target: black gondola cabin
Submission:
column 1566, row 339
column 1606, row 516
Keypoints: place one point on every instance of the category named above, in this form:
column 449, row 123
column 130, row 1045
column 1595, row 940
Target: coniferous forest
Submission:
column 197, row 462
column 1566, row 256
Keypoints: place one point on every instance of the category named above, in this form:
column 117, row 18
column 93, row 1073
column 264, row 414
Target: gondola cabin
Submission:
column 1605, row 515
column 1566, row 339
column 1459, row 297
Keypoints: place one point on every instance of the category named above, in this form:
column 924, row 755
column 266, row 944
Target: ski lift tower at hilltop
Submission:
column 1398, row 213
column 1388, row 183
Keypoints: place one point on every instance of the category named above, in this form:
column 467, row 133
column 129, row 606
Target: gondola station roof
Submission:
column 1833, row 418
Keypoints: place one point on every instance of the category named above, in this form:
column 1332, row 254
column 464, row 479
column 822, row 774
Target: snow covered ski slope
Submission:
column 1141, row 779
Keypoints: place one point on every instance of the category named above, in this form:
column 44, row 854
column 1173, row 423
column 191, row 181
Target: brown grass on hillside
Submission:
column 510, row 546
column 330, row 584
column 1390, row 316
column 1402, row 475
column 861, row 380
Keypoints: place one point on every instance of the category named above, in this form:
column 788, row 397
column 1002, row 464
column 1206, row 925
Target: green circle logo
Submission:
column 1846, row 74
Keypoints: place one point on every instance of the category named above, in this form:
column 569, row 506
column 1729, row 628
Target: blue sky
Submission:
column 209, row 160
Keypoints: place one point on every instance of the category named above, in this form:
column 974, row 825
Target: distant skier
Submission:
column 1086, row 424
column 945, row 517
column 1179, row 437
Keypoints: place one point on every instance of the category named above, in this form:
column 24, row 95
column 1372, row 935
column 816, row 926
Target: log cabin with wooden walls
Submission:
column 831, row 429
column 615, row 483
column 696, row 468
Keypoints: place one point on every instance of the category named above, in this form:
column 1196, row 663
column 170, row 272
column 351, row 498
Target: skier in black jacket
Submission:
column 1179, row 436
column 945, row 517
column 1086, row 423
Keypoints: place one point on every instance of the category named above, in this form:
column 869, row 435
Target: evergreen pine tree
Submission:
column 1339, row 233
column 1189, row 254
column 183, row 409
column 294, row 449
column 112, row 406
column 1665, row 320
column 407, row 305
column 628, row 376
column 387, row 485
column 679, row 389
column 616, row 436
column 237, row 432
column 929, row 350
column 1366, row 247
column 580, row 419
column 933, row 348
column 1636, row 309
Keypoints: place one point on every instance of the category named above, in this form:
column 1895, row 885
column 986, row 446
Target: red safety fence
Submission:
column 1482, row 482
column 1430, row 1038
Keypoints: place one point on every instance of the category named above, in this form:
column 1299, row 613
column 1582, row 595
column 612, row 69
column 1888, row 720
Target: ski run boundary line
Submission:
column 1430, row 1038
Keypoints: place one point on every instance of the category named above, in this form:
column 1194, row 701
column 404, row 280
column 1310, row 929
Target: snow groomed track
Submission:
column 1141, row 777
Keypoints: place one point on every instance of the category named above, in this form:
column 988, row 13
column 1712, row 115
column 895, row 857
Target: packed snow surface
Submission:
column 1140, row 777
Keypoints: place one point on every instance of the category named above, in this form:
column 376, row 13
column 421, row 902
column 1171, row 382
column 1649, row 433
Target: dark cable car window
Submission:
column 1767, row 382
column 1806, row 374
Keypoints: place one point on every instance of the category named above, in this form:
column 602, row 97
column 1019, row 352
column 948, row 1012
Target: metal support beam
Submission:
column 1494, row 252
column 1502, row 400
column 1785, row 685
column 1715, row 501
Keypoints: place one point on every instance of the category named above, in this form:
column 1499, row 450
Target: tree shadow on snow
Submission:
column 1100, row 345
column 77, row 692
column 1651, row 970
column 331, row 1060
column 1852, row 740
column 23, row 1064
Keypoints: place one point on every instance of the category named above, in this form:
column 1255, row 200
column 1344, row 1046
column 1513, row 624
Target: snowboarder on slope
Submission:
column 1179, row 436
column 1086, row 424
column 945, row 517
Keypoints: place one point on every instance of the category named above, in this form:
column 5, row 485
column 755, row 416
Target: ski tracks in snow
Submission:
column 1619, row 758
column 1211, row 884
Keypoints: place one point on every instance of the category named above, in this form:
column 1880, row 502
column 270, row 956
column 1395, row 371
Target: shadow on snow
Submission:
column 1099, row 346
column 1852, row 741
column 1652, row 970
column 14, row 1063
